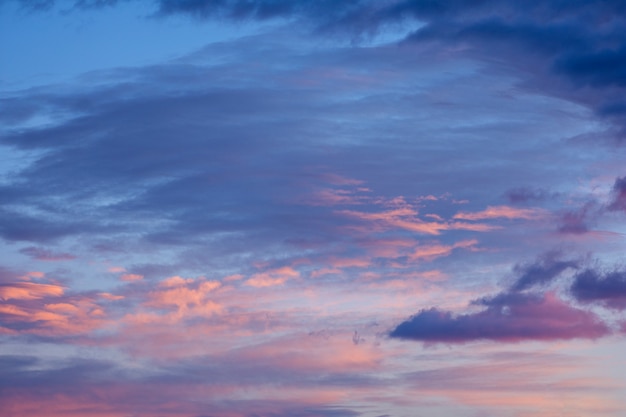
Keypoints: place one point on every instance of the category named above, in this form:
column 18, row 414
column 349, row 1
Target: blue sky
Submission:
column 312, row 208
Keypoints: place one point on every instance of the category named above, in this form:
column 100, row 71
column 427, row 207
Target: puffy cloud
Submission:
column 507, row 318
column 607, row 288
column 47, row 309
column 513, row 315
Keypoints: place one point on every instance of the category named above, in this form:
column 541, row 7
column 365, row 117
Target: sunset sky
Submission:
column 312, row 208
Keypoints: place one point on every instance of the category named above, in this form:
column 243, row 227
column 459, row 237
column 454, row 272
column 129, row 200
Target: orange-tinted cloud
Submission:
column 272, row 277
column 506, row 212
column 181, row 298
column 28, row 291
column 429, row 252
column 405, row 218
column 131, row 277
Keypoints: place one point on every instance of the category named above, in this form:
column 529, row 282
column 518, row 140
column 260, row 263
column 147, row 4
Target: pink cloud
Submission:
column 506, row 212
column 536, row 385
column 349, row 262
column 405, row 218
column 313, row 353
column 56, row 317
column 272, row 277
column 331, row 197
column 131, row 277
column 183, row 298
column 325, row 271
column 509, row 317
column 112, row 297
column 388, row 248
column 28, row 291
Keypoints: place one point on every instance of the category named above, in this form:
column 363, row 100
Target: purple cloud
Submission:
column 511, row 316
column 524, row 195
column 619, row 195
column 607, row 288
column 42, row 254
column 546, row 268
column 575, row 221
column 507, row 318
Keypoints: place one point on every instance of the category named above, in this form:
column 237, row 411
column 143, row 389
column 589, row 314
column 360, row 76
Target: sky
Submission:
column 301, row 208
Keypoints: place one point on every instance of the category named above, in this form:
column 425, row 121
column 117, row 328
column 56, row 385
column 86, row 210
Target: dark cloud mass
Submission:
column 608, row 288
column 545, row 269
column 508, row 317
column 579, row 43
column 513, row 315
column 619, row 195
column 260, row 9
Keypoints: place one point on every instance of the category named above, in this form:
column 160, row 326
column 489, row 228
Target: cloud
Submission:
column 429, row 252
column 272, row 277
column 131, row 277
column 546, row 268
column 47, row 309
column 406, row 218
column 599, row 68
column 309, row 175
column 507, row 318
column 177, row 299
column 607, row 288
column 28, row 291
column 513, row 315
column 42, row 254
column 619, row 195
column 502, row 212
column 258, row 9
column 522, row 195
